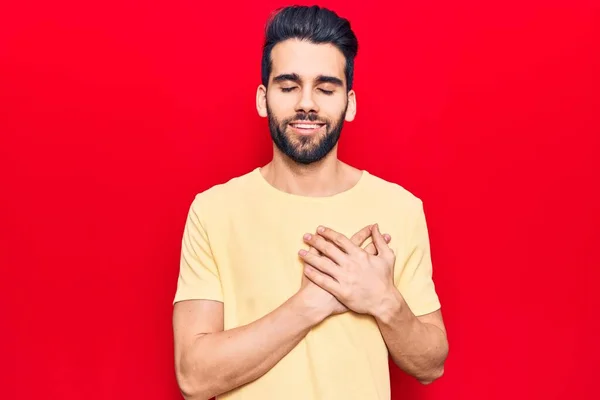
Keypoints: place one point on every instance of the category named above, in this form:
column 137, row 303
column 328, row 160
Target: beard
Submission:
column 305, row 149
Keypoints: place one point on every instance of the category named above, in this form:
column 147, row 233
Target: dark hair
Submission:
column 315, row 25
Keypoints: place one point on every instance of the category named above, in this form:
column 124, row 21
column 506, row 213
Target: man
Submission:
column 287, row 287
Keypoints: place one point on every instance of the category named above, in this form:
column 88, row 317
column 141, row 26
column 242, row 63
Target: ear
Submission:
column 351, row 110
column 261, row 101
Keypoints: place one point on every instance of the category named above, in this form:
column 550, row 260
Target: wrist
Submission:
column 305, row 307
column 389, row 307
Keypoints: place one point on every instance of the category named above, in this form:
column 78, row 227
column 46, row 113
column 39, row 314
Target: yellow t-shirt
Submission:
column 240, row 246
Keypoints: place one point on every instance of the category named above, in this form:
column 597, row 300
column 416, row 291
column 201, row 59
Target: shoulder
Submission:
column 223, row 195
column 404, row 209
column 394, row 194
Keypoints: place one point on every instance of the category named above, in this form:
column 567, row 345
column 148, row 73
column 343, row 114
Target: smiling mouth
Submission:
column 306, row 128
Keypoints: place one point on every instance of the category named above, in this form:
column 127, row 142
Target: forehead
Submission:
column 306, row 59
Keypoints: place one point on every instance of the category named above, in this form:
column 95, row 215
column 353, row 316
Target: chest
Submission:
column 257, row 254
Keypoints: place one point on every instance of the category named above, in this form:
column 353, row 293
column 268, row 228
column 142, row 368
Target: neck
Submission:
column 326, row 177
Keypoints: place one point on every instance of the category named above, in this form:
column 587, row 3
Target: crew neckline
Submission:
column 315, row 199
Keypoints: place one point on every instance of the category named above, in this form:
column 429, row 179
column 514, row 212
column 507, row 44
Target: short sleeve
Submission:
column 414, row 278
column 198, row 272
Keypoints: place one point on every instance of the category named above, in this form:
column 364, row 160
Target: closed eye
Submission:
column 289, row 89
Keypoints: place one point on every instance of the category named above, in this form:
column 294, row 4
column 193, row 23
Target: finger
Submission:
column 339, row 240
column 312, row 250
column 323, row 264
column 359, row 237
column 371, row 249
column 315, row 251
column 379, row 241
column 326, row 248
column 322, row 280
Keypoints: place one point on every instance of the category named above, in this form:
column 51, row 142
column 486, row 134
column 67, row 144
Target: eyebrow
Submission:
column 320, row 79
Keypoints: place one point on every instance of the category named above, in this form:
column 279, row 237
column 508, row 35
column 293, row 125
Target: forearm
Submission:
column 418, row 348
column 221, row 361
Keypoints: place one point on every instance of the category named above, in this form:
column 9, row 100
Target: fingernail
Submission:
column 307, row 236
column 302, row 252
column 320, row 229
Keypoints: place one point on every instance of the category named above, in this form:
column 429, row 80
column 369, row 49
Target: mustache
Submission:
column 302, row 116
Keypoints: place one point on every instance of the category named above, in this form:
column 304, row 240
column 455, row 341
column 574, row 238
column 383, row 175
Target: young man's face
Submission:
column 307, row 99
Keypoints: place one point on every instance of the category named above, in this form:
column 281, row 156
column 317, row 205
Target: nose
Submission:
column 306, row 102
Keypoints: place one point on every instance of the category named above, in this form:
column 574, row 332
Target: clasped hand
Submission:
column 360, row 279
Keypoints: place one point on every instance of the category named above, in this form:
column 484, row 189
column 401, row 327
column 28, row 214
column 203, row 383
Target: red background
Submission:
column 113, row 115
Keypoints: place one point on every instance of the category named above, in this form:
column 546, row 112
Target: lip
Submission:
column 305, row 131
column 308, row 122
